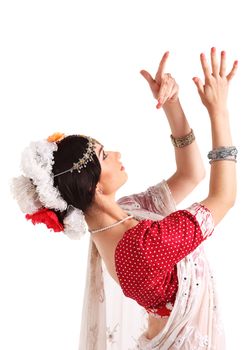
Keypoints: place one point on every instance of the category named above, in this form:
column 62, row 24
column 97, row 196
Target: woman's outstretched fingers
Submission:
column 205, row 66
column 223, row 64
column 148, row 77
column 233, row 71
column 214, row 62
column 161, row 67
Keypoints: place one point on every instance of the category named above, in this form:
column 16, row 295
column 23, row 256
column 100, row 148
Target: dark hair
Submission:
column 77, row 189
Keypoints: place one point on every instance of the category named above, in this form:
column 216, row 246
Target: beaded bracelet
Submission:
column 183, row 140
column 223, row 153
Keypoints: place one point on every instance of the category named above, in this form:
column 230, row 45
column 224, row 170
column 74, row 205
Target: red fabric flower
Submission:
column 47, row 217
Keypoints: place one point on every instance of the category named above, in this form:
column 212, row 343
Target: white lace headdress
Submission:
column 35, row 191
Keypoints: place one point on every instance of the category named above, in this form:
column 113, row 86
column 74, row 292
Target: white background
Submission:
column 73, row 66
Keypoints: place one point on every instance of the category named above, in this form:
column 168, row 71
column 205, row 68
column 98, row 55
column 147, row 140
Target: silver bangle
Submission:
column 216, row 160
column 223, row 152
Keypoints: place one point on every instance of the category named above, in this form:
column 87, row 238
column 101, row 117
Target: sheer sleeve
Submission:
column 157, row 199
column 174, row 237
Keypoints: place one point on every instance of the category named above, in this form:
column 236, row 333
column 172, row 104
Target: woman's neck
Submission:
column 102, row 217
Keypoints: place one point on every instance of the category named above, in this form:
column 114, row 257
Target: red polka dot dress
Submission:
column 147, row 255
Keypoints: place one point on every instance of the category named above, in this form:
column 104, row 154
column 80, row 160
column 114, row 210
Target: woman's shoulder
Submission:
column 155, row 199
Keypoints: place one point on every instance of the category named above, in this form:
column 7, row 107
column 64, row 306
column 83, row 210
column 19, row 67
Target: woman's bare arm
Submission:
column 189, row 165
column 190, row 169
column 222, row 185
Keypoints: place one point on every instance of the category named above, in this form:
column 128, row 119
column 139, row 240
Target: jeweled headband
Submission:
column 82, row 162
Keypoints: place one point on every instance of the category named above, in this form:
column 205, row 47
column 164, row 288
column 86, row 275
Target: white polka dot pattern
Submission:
column 147, row 255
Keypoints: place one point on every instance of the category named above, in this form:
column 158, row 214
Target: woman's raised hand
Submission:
column 164, row 87
column 215, row 90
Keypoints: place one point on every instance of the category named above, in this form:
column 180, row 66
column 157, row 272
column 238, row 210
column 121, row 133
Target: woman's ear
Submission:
column 99, row 190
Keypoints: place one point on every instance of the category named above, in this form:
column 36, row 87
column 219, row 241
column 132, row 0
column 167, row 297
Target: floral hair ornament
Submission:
column 82, row 162
column 57, row 136
column 74, row 224
column 47, row 217
column 35, row 192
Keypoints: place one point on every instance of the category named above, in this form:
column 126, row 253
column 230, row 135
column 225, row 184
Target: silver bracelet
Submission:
column 216, row 160
column 223, row 152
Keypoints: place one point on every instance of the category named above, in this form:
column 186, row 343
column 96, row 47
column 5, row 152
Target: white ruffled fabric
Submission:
column 37, row 161
column 111, row 321
column 75, row 225
column 25, row 194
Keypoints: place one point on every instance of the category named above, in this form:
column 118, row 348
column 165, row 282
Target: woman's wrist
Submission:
column 221, row 133
column 218, row 114
column 177, row 120
column 169, row 107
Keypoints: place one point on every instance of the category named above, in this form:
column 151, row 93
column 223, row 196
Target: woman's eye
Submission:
column 104, row 155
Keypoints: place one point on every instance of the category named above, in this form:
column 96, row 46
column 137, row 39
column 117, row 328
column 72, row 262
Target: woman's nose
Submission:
column 118, row 155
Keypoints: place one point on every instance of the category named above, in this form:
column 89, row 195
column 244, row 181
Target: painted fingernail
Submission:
column 223, row 53
column 236, row 62
column 213, row 49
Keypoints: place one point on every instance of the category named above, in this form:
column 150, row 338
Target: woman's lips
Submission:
column 122, row 168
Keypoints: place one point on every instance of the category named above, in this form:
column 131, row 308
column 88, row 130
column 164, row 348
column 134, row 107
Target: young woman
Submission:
column 152, row 251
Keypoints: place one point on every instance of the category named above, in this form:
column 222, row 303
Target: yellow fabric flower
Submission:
column 57, row 136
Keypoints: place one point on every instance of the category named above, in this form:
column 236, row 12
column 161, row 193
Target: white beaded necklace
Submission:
column 113, row 225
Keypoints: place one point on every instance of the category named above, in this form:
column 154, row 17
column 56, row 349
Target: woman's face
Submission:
column 113, row 175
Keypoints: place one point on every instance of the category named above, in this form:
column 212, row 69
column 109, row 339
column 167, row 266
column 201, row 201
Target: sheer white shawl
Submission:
column 111, row 321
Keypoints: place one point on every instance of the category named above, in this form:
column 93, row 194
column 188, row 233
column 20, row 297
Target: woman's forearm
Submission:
column 176, row 119
column 221, row 131
column 223, row 181
column 223, row 173
column 188, row 158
